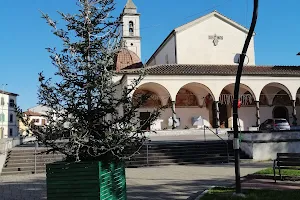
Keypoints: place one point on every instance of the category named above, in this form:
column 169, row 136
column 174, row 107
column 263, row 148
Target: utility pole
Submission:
column 236, row 144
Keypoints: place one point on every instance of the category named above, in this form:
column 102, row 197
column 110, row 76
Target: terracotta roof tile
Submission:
column 8, row 93
column 31, row 113
column 127, row 59
column 184, row 69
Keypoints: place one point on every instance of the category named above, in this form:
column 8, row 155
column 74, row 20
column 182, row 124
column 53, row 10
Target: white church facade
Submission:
column 193, row 72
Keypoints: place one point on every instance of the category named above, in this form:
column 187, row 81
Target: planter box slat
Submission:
column 74, row 177
column 86, row 180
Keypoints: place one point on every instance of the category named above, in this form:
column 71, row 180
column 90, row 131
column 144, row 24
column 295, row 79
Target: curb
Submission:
column 271, row 177
column 245, row 178
column 204, row 192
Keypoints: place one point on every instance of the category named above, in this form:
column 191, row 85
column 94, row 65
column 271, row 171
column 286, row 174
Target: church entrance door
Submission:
column 144, row 120
column 223, row 116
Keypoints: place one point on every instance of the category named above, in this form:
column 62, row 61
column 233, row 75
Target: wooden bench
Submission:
column 286, row 161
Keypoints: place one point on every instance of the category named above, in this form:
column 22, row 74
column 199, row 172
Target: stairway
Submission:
column 184, row 153
column 20, row 160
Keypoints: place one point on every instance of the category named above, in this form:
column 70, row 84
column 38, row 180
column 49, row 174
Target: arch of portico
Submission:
column 278, row 99
column 158, row 96
column 161, row 91
column 263, row 92
column 194, row 100
column 247, row 112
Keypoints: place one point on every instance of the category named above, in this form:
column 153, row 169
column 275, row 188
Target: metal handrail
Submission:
column 5, row 147
column 206, row 127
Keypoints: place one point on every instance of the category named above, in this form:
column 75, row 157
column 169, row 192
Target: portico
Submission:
column 210, row 96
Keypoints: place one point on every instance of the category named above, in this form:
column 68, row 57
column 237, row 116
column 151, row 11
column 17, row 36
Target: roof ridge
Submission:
column 215, row 11
column 235, row 23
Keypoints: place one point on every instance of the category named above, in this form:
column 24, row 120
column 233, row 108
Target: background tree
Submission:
column 91, row 117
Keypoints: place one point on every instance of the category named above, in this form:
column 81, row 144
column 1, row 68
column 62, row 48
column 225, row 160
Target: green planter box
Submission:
column 86, row 181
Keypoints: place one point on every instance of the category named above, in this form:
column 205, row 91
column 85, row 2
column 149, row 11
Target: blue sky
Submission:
column 24, row 35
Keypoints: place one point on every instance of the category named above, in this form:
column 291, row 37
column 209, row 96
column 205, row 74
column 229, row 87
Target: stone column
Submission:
column 294, row 114
column 173, row 114
column 217, row 113
column 257, row 113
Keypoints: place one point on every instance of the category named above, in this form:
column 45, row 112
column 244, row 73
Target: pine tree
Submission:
column 91, row 117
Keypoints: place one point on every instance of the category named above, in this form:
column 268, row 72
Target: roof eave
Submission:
column 207, row 16
column 161, row 45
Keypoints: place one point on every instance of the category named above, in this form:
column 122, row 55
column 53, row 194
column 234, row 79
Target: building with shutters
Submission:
column 8, row 117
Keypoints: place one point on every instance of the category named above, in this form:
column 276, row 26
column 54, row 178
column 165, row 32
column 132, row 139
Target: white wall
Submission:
column 195, row 47
column 136, row 21
column 2, row 161
column 269, row 148
column 247, row 116
column 266, row 112
column 135, row 40
column 164, row 115
column 187, row 113
column 167, row 49
column 39, row 118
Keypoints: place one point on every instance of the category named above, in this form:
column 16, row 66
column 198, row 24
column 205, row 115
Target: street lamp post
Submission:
column 236, row 99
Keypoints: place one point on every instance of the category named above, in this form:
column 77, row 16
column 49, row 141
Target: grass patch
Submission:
column 284, row 172
column 226, row 194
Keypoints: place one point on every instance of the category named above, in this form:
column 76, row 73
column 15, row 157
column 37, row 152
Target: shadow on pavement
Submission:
column 35, row 189
column 175, row 190
column 13, row 189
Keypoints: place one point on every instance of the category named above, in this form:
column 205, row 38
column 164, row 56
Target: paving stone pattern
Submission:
column 155, row 183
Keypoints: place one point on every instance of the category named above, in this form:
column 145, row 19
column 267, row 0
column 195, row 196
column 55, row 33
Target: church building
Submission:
column 193, row 71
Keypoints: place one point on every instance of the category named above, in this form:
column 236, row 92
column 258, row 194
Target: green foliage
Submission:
column 91, row 116
column 227, row 194
column 284, row 172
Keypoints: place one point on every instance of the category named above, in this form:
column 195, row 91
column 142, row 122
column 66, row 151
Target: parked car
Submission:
column 275, row 125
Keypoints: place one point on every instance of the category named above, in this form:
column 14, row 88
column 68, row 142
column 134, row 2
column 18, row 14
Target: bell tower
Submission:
column 131, row 28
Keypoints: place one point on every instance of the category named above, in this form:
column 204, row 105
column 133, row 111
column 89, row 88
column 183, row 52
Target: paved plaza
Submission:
column 153, row 183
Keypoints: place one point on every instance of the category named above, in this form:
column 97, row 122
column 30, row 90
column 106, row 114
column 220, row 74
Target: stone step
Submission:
column 22, row 163
column 32, row 156
column 186, row 146
column 178, row 153
column 177, row 161
column 30, row 153
column 23, row 168
column 16, row 173
column 187, row 149
column 21, row 160
column 9, row 161
column 195, row 155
